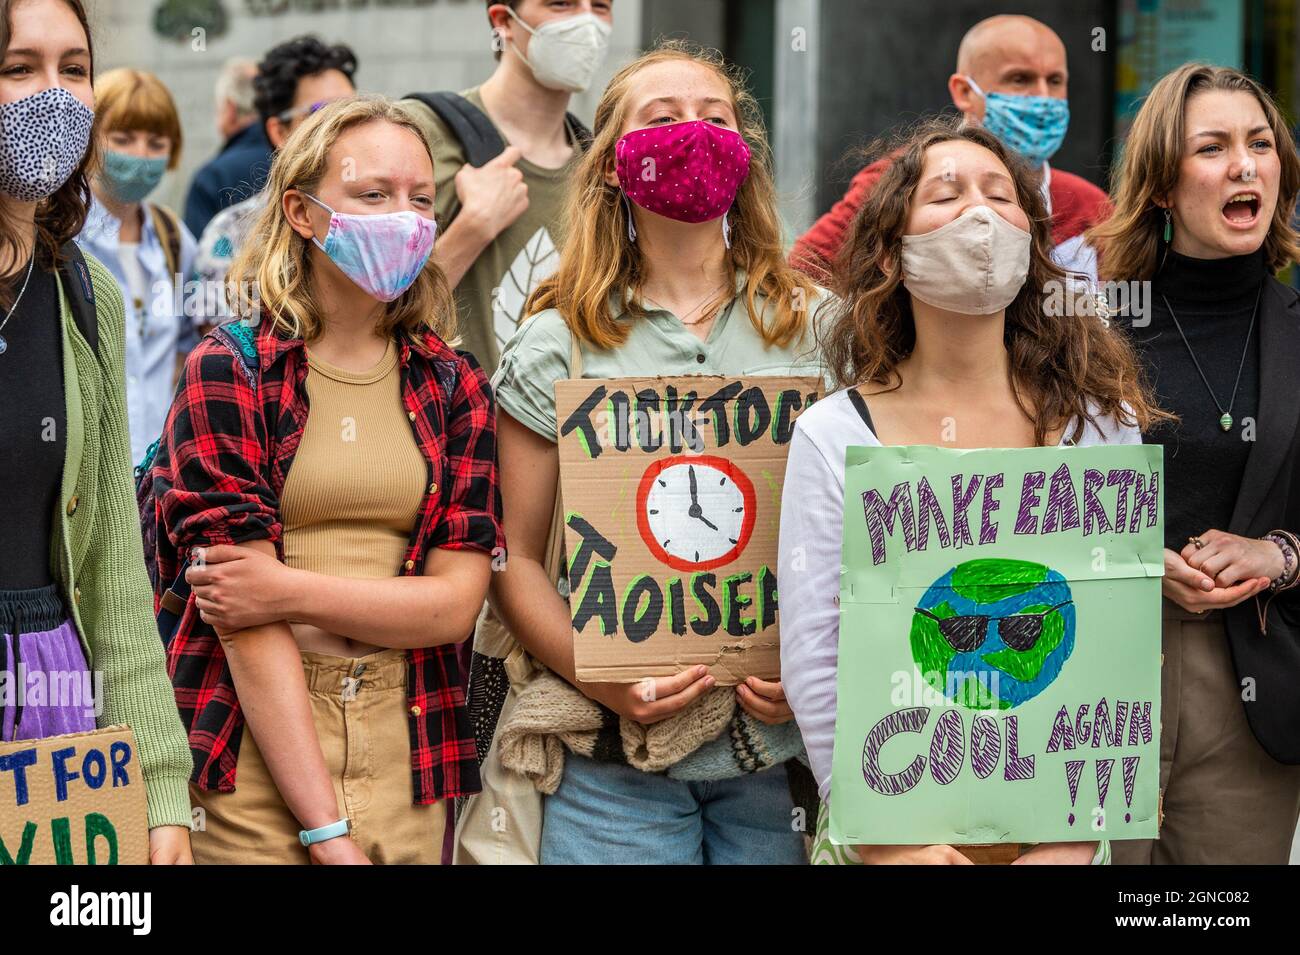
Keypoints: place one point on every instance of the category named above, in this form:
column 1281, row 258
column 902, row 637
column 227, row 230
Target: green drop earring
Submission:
column 1169, row 226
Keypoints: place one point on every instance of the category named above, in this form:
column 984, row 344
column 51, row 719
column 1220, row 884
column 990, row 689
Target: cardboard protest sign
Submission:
column 73, row 800
column 999, row 653
column 672, row 502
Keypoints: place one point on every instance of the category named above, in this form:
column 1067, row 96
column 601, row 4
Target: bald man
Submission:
column 1011, row 78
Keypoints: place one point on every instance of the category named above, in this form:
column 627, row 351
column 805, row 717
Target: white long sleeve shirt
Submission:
column 155, row 328
column 812, row 527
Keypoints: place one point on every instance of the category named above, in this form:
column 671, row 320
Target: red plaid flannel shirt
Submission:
column 217, row 476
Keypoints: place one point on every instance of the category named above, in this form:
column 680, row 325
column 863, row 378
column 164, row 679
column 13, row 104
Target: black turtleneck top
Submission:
column 1213, row 300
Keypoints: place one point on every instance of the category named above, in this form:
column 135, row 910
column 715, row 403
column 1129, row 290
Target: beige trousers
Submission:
column 360, row 710
column 1226, row 801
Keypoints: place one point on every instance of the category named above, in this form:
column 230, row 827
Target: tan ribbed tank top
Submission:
column 357, row 481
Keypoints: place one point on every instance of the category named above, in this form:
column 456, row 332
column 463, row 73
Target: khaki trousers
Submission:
column 360, row 710
column 1226, row 801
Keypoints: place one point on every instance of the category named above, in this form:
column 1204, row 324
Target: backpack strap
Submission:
column 475, row 131
column 169, row 234
column 580, row 133
column 860, row 406
column 74, row 275
column 469, row 124
column 239, row 338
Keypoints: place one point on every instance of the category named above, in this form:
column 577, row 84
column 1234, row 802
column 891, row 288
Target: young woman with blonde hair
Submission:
column 327, row 474
column 941, row 337
column 1206, row 190
column 680, row 272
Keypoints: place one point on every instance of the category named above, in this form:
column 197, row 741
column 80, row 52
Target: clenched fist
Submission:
column 491, row 196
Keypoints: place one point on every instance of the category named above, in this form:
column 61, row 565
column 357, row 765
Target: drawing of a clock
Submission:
column 695, row 512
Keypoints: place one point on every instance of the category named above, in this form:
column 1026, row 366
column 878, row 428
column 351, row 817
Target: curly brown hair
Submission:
column 1064, row 369
column 59, row 218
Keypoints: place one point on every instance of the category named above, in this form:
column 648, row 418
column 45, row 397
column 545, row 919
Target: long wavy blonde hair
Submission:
column 598, row 261
column 1128, row 241
column 273, row 270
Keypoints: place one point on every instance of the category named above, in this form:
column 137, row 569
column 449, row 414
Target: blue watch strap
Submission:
column 310, row 837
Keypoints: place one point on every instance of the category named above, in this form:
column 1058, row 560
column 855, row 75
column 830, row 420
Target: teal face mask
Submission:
column 131, row 178
column 1033, row 126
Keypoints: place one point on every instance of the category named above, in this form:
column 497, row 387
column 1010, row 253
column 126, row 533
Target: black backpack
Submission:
column 475, row 131
column 74, row 276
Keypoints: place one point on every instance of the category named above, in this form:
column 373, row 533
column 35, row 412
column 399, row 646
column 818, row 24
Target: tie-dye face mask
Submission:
column 690, row 172
column 383, row 254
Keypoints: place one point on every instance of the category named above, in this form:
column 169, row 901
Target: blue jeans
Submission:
column 609, row 814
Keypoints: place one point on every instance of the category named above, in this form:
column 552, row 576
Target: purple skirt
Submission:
column 46, row 687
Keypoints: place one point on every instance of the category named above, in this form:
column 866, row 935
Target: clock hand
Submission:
column 701, row 517
column 695, row 499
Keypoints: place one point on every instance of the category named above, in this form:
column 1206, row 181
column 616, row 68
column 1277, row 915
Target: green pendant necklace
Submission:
column 1225, row 415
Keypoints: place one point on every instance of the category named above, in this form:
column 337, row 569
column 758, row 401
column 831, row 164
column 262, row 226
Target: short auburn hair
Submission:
column 128, row 100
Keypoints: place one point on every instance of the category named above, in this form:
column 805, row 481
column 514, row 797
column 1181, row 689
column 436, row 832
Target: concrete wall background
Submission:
column 443, row 46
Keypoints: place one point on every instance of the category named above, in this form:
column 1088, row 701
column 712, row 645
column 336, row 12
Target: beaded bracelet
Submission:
column 1289, row 544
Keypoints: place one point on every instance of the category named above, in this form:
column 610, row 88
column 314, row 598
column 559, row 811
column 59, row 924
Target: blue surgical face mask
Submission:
column 1033, row 126
column 130, row 178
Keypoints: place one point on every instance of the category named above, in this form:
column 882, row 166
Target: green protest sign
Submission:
column 999, row 653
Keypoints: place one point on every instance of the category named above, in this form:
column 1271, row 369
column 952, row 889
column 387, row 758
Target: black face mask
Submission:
column 1018, row 631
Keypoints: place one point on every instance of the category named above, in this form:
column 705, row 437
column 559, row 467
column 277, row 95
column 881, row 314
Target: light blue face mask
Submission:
column 1032, row 126
column 130, row 178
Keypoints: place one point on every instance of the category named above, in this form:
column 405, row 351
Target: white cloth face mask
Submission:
column 565, row 54
column 974, row 265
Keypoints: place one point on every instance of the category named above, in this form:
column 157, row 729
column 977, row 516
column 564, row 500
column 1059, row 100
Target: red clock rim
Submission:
column 722, row 464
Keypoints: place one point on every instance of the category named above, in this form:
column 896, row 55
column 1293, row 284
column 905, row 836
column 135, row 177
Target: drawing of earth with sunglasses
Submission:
column 993, row 633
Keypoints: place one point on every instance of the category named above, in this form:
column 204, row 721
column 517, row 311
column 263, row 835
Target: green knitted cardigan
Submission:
column 98, row 559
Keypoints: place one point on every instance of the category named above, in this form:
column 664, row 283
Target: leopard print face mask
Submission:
column 42, row 140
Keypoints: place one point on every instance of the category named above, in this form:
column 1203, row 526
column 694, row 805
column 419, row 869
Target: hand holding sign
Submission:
column 764, row 700
column 170, row 845
column 1058, row 853
column 652, row 699
column 911, row 855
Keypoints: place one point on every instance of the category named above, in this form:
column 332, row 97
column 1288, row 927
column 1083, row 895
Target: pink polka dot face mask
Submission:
column 689, row 172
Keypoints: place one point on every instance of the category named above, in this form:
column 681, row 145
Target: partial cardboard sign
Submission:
column 672, row 503
column 999, row 650
column 77, row 799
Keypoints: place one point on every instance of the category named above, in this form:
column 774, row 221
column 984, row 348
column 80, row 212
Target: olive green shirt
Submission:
column 490, row 297
column 97, row 556
column 658, row 344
